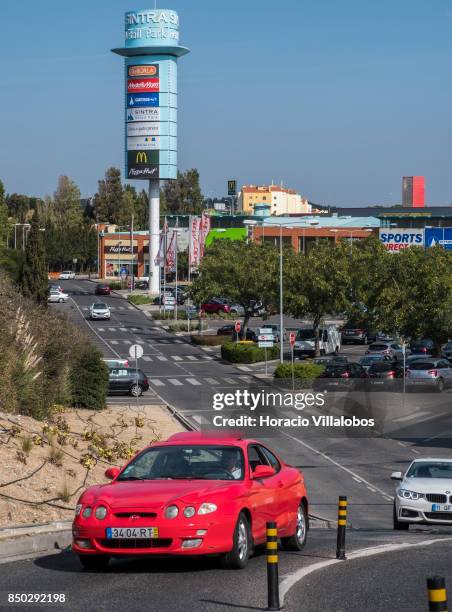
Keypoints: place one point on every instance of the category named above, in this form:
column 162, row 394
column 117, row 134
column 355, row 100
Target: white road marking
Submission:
column 130, row 307
column 178, row 341
column 93, row 329
column 127, row 342
column 336, row 463
column 357, row 479
column 85, row 308
column 192, row 357
column 244, row 368
column 409, row 417
column 157, row 382
column 112, row 329
column 197, row 418
column 193, row 381
column 162, row 358
column 211, row 381
column 101, row 329
column 231, row 381
column 121, row 308
column 123, row 329
column 175, row 382
column 146, row 358
column 208, row 357
column 176, row 357
column 289, row 581
column 113, row 341
column 139, row 341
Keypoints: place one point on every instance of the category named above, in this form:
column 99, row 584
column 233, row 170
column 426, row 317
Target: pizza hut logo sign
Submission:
column 137, row 71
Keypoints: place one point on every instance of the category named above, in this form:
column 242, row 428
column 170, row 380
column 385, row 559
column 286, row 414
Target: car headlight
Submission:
column 171, row 512
column 189, row 511
column 100, row 512
column 407, row 494
column 78, row 509
column 206, row 508
column 87, row 512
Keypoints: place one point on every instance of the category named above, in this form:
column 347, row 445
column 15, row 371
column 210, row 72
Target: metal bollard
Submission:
column 437, row 595
column 272, row 566
column 341, row 527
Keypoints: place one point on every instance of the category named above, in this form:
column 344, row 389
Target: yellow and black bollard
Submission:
column 341, row 527
column 437, row 596
column 272, row 567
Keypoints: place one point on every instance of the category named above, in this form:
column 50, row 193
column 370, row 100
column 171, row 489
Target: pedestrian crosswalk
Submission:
column 159, row 358
column 179, row 381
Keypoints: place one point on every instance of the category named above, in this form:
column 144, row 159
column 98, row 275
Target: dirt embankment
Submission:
column 44, row 466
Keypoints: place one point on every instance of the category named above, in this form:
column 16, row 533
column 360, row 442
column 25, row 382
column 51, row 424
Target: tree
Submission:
column 417, row 298
column 4, row 221
column 66, row 205
column 239, row 271
column 317, row 284
column 89, row 379
column 33, row 277
column 182, row 196
column 109, row 197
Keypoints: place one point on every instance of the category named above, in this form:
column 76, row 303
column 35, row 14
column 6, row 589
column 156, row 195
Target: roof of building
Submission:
column 388, row 211
column 323, row 221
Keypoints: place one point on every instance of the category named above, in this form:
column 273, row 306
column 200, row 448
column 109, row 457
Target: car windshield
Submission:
column 430, row 469
column 381, row 366
column 378, row 347
column 370, row 359
column 196, row 462
column 422, row 365
column 305, row 334
column 100, row 306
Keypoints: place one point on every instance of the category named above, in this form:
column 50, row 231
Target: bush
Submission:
column 246, row 352
column 177, row 326
column 89, row 379
column 304, row 373
column 210, row 340
column 115, row 285
column 140, row 299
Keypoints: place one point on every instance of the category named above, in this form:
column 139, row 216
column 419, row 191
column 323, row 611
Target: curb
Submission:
column 20, row 543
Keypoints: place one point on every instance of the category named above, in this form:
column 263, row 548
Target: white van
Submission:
column 329, row 341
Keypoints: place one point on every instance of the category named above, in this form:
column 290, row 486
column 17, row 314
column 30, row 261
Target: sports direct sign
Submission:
column 398, row 238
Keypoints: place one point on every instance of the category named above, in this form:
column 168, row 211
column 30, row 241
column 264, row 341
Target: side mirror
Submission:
column 112, row 472
column 263, row 471
column 396, row 476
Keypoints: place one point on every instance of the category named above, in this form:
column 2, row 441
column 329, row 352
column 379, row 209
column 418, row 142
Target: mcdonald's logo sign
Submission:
column 142, row 158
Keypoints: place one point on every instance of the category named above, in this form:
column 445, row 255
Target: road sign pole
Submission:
column 293, row 374
column 154, row 226
column 266, row 371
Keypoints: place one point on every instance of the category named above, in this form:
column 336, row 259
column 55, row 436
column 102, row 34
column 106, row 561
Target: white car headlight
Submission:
column 100, row 512
column 189, row 511
column 206, row 508
column 78, row 509
column 407, row 494
column 171, row 512
column 87, row 512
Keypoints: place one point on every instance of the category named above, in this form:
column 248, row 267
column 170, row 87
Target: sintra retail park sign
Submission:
column 151, row 27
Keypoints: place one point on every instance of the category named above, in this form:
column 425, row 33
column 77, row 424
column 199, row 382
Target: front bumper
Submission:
column 217, row 538
column 100, row 316
column 420, row 511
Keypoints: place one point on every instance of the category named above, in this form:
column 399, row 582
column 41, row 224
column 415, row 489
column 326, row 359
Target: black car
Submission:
column 341, row 376
column 423, row 347
column 128, row 380
column 228, row 330
column 354, row 335
column 385, row 375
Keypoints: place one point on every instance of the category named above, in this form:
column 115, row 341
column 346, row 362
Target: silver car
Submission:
column 446, row 351
column 424, row 494
column 392, row 349
column 436, row 373
column 57, row 296
column 99, row 310
column 369, row 360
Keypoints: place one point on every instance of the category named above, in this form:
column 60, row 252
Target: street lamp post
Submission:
column 119, row 260
column 281, row 316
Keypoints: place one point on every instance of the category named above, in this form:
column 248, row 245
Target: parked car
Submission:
column 55, row 287
column 66, row 275
column 275, row 331
column 141, row 284
column 329, row 341
column 102, row 289
column 354, row 335
column 192, row 495
column 117, row 363
column 216, row 305
column 446, row 351
column 256, row 308
column 369, row 360
column 412, row 358
column 125, row 380
column 228, row 330
column 392, row 349
column 341, row 376
column 385, row 376
column 422, row 347
column 433, row 373
column 331, row 359
column 57, row 296
column 99, row 310
column 423, row 495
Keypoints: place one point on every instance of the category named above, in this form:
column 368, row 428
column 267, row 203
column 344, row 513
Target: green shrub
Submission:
column 89, row 379
column 177, row 326
column 140, row 299
column 115, row 285
column 304, row 373
column 209, row 339
column 242, row 352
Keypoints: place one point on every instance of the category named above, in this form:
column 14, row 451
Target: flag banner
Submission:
column 171, row 254
column 195, row 223
column 205, row 229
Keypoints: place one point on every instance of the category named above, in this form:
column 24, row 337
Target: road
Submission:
column 185, row 377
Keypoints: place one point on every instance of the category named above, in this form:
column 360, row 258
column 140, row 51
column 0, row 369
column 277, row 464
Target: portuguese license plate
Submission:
column 132, row 533
column 441, row 507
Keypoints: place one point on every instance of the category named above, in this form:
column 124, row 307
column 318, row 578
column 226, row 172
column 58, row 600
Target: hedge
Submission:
column 140, row 299
column 304, row 373
column 89, row 379
column 246, row 352
column 209, row 339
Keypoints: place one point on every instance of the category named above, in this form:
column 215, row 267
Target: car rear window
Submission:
column 422, row 365
column 335, row 370
column 378, row 347
column 381, row 366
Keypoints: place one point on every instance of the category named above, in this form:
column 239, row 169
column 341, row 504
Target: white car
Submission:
column 57, row 296
column 67, row 275
column 424, row 494
column 99, row 310
column 117, row 363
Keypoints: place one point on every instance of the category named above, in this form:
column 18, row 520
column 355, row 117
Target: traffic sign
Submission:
column 266, row 337
column 232, row 187
column 265, row 344
column 136, row 351
column 292, row 337
column 238, row 326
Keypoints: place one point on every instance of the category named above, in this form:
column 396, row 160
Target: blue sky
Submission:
column 336, row 99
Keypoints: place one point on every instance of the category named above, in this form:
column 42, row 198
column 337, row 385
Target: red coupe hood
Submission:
column 156, row 493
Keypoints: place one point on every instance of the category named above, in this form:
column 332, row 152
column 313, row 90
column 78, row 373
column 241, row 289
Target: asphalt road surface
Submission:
column 185, row 377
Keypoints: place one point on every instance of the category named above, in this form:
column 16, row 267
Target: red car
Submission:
column 216, row 305
column 102, row 289
column 192, row 495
